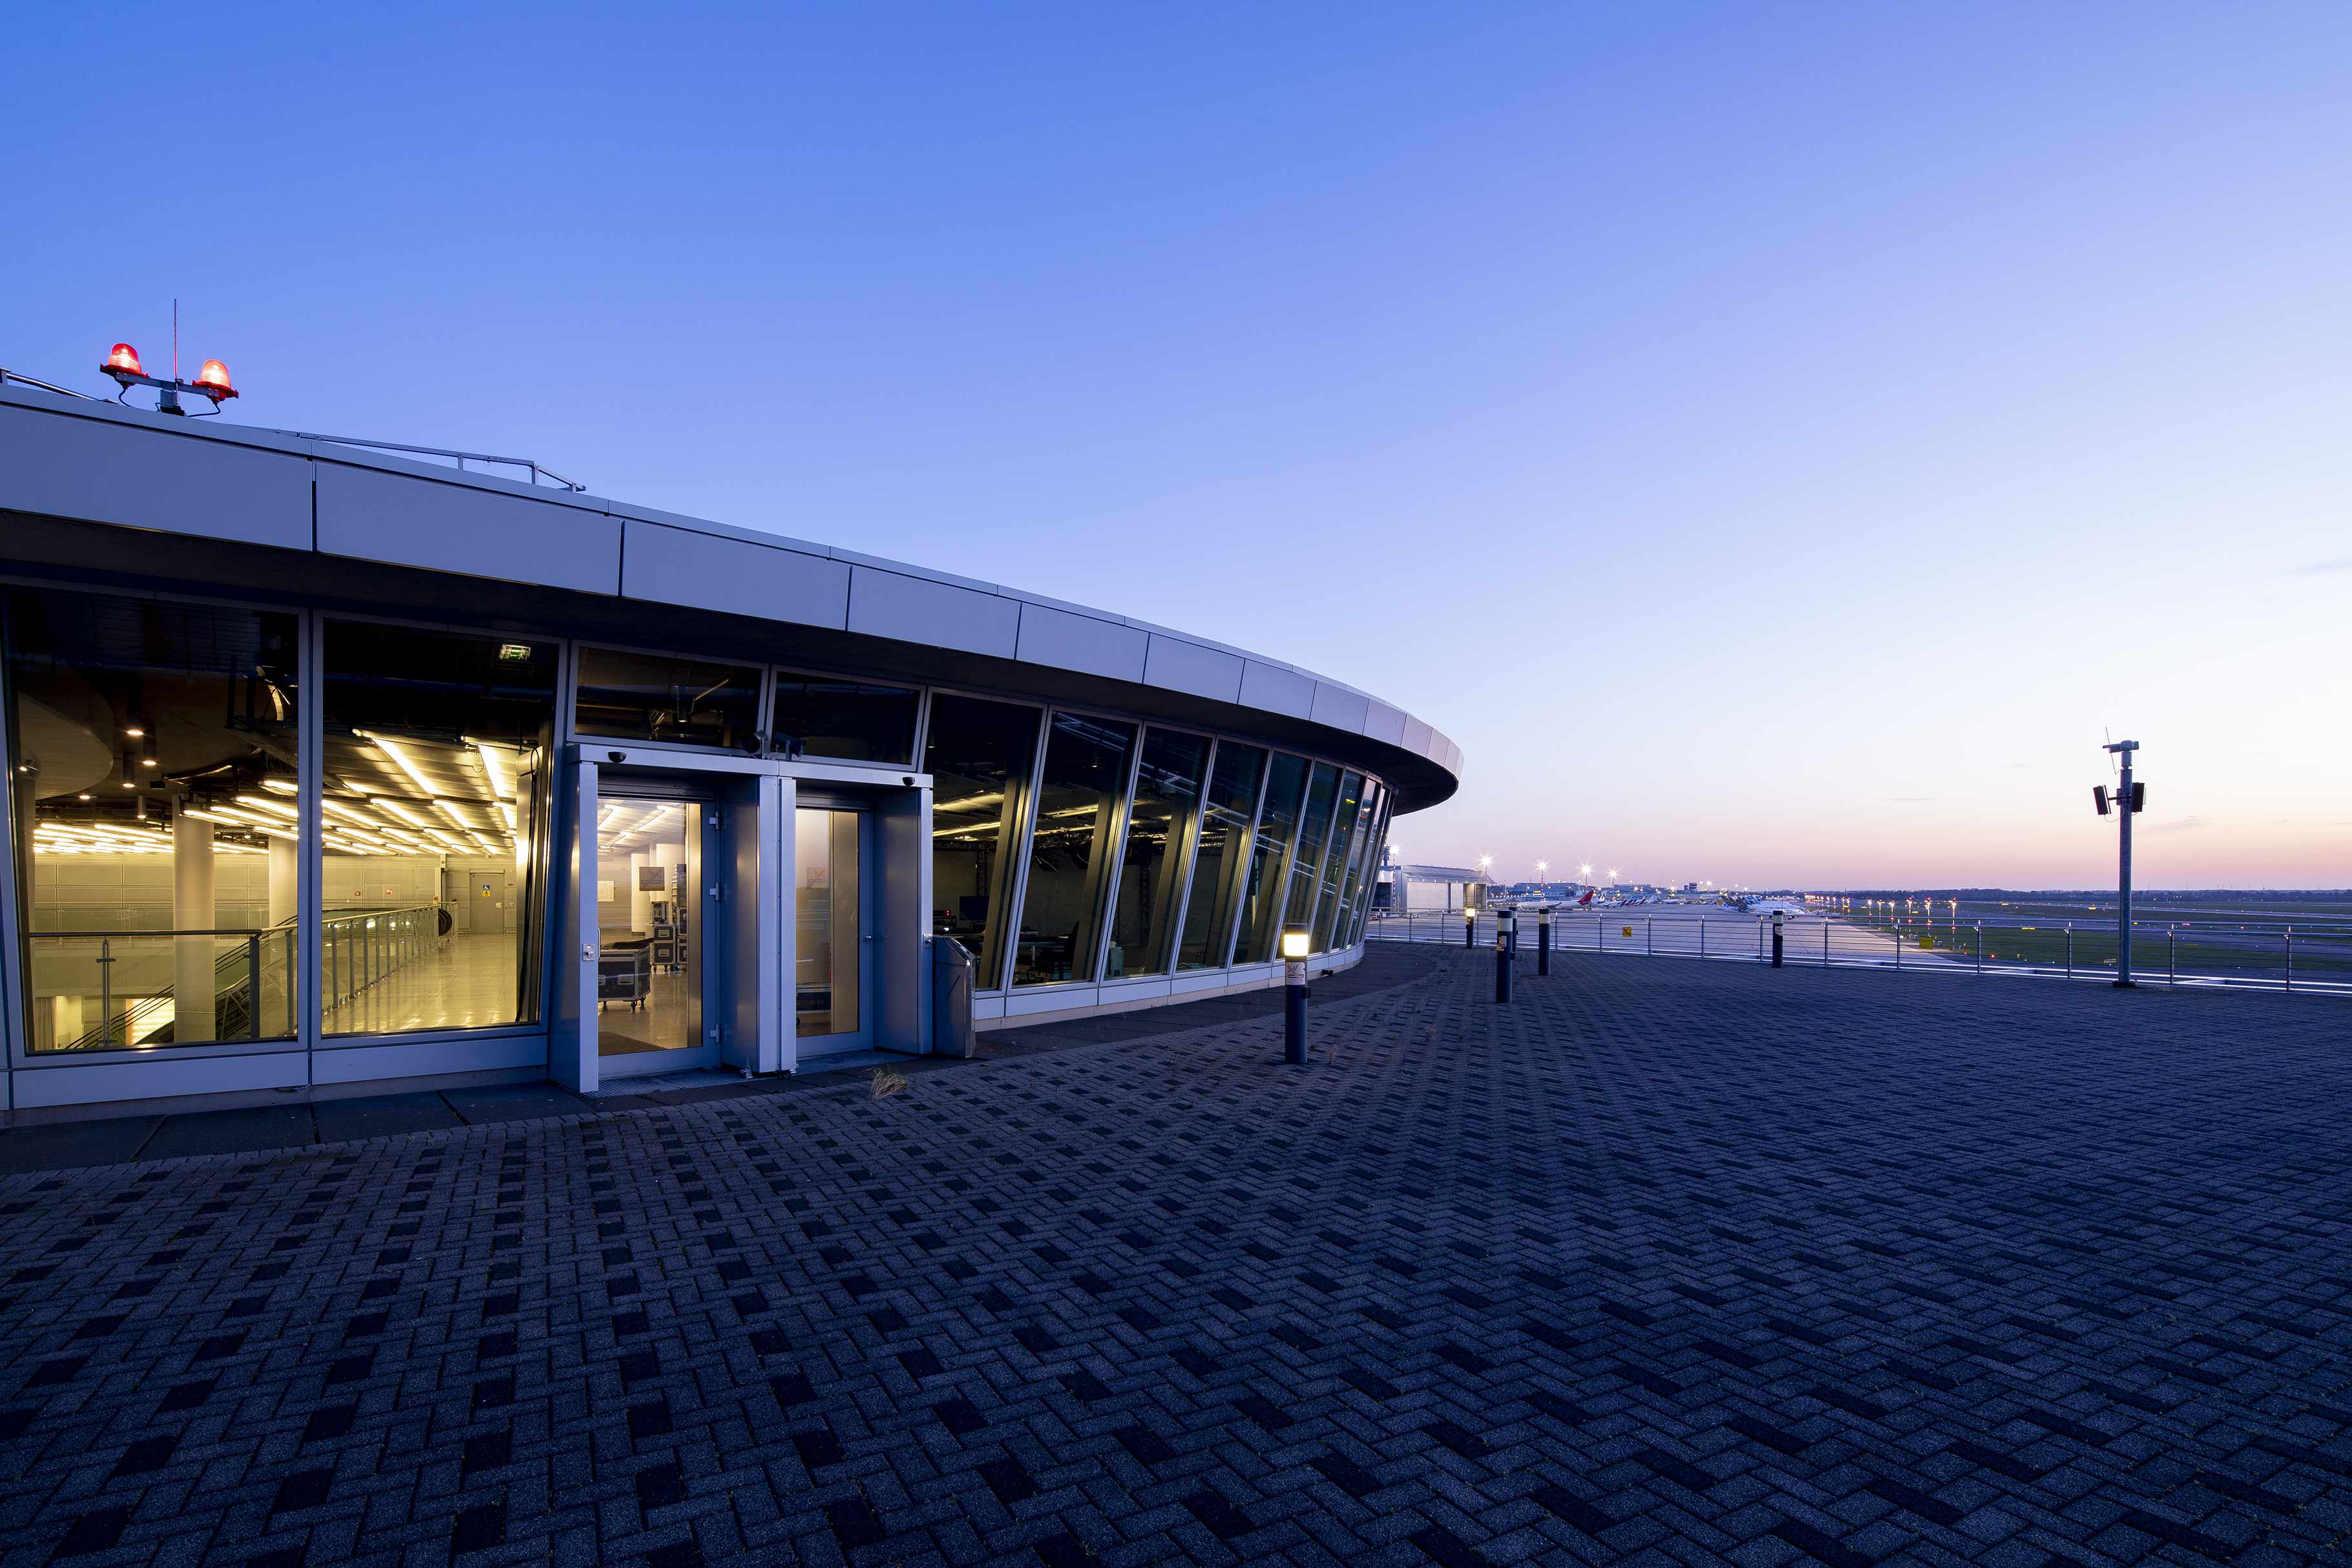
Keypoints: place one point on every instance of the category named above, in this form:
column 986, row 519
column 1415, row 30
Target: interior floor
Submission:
column 664, row 1021
column 466, row 983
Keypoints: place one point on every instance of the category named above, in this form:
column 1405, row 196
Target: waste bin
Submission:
column 951, row 973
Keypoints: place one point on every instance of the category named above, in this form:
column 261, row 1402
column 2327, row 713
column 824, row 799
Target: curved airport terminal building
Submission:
column 336, row 769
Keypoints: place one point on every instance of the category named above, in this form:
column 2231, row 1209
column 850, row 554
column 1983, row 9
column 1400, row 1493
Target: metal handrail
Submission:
column 2233, row 954
column 240, row 966
column 173, row 931
column 462, row 458
column 339, row 984
column 7, row 375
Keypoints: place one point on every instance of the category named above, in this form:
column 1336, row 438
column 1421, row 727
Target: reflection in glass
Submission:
column 1337, row 858
column 649, row 925
column 152, row 749
column 827, row 955
column 1371, row 882
column 1270, row 858
column 855, row 721
column 682, row 702
column 1070, row 848
column 1314, row 831
column 978, row 754
column 1223, row 860
column 1158, row 824
column 1358, row 854
column 432, row 790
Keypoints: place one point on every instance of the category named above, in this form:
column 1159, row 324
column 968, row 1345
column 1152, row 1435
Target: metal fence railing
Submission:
column 2302, row 956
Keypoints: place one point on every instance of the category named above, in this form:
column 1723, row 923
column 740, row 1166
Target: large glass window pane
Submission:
column 153, row 749
column 1158, row 828
column 433, row 791
column 1367, row 830
column 1223, row 861
column 1314, row 831
column 1270, row 858
column 1368, row 891
column 1071, row 846
column 855, row 721
column 828, row 917
column 1336, row 859
column 655, row 696
column 979, row 755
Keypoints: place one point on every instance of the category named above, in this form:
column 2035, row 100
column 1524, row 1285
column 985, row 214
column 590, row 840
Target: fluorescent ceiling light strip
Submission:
column 500, row 769
column 404, row 813
column 399, row 758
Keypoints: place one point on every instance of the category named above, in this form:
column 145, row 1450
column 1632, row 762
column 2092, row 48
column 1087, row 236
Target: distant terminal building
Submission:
column 1409, row 888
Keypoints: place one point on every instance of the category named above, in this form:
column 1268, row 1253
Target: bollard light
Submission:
column 1296, row 940
column 1469, row 926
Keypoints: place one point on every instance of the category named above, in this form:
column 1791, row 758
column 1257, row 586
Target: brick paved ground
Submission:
column 1669, row 1261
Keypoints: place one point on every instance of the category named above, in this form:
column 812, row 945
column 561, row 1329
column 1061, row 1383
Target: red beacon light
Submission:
column 121, row 362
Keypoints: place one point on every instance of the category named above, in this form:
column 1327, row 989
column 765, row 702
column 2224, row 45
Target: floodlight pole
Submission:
column 2124, row 749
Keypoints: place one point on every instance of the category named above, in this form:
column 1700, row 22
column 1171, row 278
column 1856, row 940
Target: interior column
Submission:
column 285, row 856
column 191, row 910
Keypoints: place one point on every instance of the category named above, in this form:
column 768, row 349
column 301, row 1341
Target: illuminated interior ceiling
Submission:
column 387, row 795
column 631, row 827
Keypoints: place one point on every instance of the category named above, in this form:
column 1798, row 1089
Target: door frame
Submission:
column 751, row 1006
column 709, row 961
column 816, row 797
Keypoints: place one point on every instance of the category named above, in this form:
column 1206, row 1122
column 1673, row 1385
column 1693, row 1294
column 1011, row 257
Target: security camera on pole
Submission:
column 2132, row 800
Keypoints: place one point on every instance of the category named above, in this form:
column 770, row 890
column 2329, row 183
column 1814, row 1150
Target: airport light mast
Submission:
column 2130, row 799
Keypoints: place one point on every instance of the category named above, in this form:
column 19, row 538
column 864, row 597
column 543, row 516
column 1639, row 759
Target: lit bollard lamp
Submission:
column 1294, row 995
column 1543, row 940
column 1502, row 965
column 1469, row 928
column 1776, row 938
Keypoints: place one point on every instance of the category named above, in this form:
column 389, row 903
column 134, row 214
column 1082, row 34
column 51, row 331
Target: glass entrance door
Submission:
column 650, row 936
column 832, row 940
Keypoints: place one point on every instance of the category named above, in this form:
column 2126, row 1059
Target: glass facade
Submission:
column 1159, row 827
column 160, row 779
column 851, row 721
column 1314, row 834
column 433, row 797
column 1223, row 860
column 1369, row 889
column 1072, row 848
column 978, row 753
column 155, row 755
column 678, row 701
column 1275, row 846
column 1358, row 853
column 1337, row 857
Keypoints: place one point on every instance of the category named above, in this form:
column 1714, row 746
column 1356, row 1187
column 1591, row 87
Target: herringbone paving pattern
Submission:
column 1664, row 1262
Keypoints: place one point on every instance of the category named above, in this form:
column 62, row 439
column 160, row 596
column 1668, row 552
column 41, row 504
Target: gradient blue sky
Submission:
column 1848, row 411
